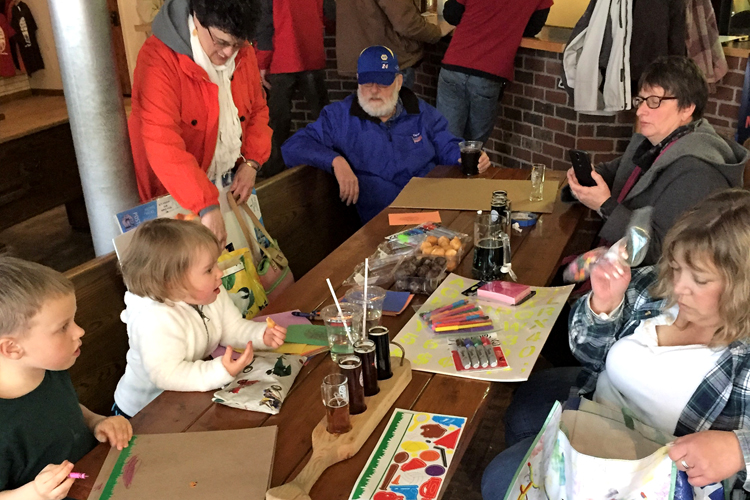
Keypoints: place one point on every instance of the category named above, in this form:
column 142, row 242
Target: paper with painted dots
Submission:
column 412, row 457
column 520, row 330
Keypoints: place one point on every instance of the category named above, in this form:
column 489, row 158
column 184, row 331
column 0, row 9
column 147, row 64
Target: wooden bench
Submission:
column 301, row 208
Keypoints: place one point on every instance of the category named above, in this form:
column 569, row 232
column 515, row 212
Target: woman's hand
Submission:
column 215, row 222
column 593, row 197
column 710, row 456
column 115, row 430
column 484, row 162
column 244, row 181
column 609, row 280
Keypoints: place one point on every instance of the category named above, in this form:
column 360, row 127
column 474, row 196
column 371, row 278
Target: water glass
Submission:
column 337, row 325
column 336, row 400
column 537, row 182
column 374, row 302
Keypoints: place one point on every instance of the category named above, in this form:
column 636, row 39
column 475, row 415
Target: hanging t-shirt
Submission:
column 6, row 59
column 25, row 27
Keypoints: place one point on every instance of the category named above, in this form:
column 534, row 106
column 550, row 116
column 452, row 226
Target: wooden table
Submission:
column 536, row 253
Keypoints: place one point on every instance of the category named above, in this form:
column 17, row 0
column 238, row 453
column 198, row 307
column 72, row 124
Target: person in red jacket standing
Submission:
column 199, row 121
column 290, row 55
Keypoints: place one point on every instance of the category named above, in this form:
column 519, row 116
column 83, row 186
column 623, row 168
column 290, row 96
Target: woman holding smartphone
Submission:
column 675, row 161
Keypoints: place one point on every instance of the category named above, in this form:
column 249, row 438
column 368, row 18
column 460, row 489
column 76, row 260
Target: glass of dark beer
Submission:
column 336, row 400
column 491, row 248
column 470, row 153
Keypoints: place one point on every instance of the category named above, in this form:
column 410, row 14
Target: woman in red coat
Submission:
column 199, row 121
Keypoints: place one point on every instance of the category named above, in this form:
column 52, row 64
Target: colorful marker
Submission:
column 489, row 350
column 472, row 353
column 78, row 475
column 481, row 352
column 463, row 354
column 449, row 307
column 310, row 315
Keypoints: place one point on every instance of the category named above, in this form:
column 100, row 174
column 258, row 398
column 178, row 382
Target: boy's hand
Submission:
column 115, row 430
column 53, row 483
column 235, row 367
column 274, row 336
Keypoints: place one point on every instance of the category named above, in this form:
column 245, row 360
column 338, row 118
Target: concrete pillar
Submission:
column 97, row 116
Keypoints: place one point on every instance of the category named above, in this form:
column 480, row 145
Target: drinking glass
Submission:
column 374, row 302
column 336, row 400
column 537, row 182
column 470, row 153
column 336, row 327
column 491, row 248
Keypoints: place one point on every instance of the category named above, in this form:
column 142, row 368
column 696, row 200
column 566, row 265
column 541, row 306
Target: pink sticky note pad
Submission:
column 413, row 218
column 282, row 319
column 504, row 291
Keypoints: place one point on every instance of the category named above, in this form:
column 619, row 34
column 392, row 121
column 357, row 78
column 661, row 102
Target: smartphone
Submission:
column 582, row 167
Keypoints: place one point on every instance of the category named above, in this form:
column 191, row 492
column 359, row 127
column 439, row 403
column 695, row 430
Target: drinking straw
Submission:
column 364, row 304
column 341, row 314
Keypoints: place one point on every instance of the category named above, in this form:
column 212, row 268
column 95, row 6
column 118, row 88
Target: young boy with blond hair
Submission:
column 43, row 428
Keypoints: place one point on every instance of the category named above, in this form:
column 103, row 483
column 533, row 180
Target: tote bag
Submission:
column 590, row 451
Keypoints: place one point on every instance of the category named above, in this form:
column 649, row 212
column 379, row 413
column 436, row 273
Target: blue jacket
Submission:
column 383, row 156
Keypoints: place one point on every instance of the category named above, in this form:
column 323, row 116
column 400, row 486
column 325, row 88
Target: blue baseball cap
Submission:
column 377, row 64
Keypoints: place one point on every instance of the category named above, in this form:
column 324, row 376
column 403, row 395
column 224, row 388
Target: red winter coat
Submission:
column 174, row 123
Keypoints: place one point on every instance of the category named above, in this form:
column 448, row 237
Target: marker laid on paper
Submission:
column 463, row 354
column 472, row 353
column 310, row 315
column 531, row 294
column 78, row 475
column 481, row 353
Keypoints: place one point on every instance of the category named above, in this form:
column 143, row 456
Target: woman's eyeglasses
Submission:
column 223, row 44
column 652, row 101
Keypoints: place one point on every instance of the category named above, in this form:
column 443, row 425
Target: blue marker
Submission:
column 472, row 353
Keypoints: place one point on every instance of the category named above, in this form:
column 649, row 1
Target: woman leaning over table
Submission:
column 199, row 125
column 670, row 343
column 675, row 161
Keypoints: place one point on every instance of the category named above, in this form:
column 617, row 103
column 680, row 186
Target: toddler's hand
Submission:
column 53, row 483
column 115, row 430
column 274, row 336
column 235, row 367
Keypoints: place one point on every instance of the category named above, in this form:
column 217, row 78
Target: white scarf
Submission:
column 229, row 140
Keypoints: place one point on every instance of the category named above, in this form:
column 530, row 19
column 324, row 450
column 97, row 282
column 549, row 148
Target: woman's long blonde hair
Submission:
column 716, row 231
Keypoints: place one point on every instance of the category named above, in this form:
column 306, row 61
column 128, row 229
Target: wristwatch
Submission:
column 251, row 163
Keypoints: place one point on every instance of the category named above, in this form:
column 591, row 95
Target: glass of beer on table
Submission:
column 470, row 153
column 336, row 400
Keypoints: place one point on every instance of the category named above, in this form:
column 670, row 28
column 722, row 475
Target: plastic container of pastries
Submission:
column 420, row 274
column 452, row 249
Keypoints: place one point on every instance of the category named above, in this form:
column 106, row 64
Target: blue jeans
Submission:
column 469, row 103
column 498, row 475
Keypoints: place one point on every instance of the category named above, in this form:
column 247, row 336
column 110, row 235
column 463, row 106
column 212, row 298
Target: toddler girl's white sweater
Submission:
column 168, row 344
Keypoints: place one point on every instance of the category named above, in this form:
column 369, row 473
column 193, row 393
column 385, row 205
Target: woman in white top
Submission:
column 670, row 343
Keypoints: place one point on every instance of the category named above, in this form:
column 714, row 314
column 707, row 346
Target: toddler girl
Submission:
column 177, row 313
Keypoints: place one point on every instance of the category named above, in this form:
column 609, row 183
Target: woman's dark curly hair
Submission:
column 239, row 18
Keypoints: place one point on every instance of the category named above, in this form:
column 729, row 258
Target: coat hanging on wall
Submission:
column 7, row 68
column 25, row 27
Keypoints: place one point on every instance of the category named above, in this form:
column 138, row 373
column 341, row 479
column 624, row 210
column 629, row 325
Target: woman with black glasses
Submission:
column 676, row 160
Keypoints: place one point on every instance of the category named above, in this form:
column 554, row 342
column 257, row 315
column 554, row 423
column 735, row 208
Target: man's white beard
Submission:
column 379, row 109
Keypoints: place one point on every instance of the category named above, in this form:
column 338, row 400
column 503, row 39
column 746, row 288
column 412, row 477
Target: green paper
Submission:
column 307, row 334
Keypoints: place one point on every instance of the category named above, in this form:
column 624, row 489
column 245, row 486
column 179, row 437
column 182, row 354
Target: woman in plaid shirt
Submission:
column 671, row 343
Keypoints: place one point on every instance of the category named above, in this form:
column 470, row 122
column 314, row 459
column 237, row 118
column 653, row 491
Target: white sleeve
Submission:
column 236, row 330
column 165, row 349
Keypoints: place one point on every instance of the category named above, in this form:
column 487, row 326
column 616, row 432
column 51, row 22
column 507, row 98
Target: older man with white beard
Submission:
column 376, row 141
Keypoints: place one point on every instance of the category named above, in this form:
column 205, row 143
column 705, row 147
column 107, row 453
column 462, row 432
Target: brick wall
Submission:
column 536, row 122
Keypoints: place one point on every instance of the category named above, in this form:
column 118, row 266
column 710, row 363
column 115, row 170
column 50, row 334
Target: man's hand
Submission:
column 484, row 162
column 445, row 27
column 244, row 181
column 235, row 367
column 263, row 79
column 594, row 196
column 348, row 182
column 53, row 483
column 115, row 430
column 215, row 222
column 711, row 456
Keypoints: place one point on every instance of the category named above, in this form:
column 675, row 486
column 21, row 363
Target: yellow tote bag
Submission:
column 242, row 282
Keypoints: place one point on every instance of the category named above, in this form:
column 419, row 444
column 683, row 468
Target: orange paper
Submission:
column 413, row 218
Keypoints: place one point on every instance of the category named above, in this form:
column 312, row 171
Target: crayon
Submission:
column 449, row 307
column 461, row 327
column 462, row 317
column 450, row 322
column 78, row 475
column 456, row 312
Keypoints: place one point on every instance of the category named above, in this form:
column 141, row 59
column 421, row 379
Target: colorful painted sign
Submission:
column 521, row 331
column 411, row 459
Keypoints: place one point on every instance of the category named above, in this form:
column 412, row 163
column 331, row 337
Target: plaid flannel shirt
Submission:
column 721, row 401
